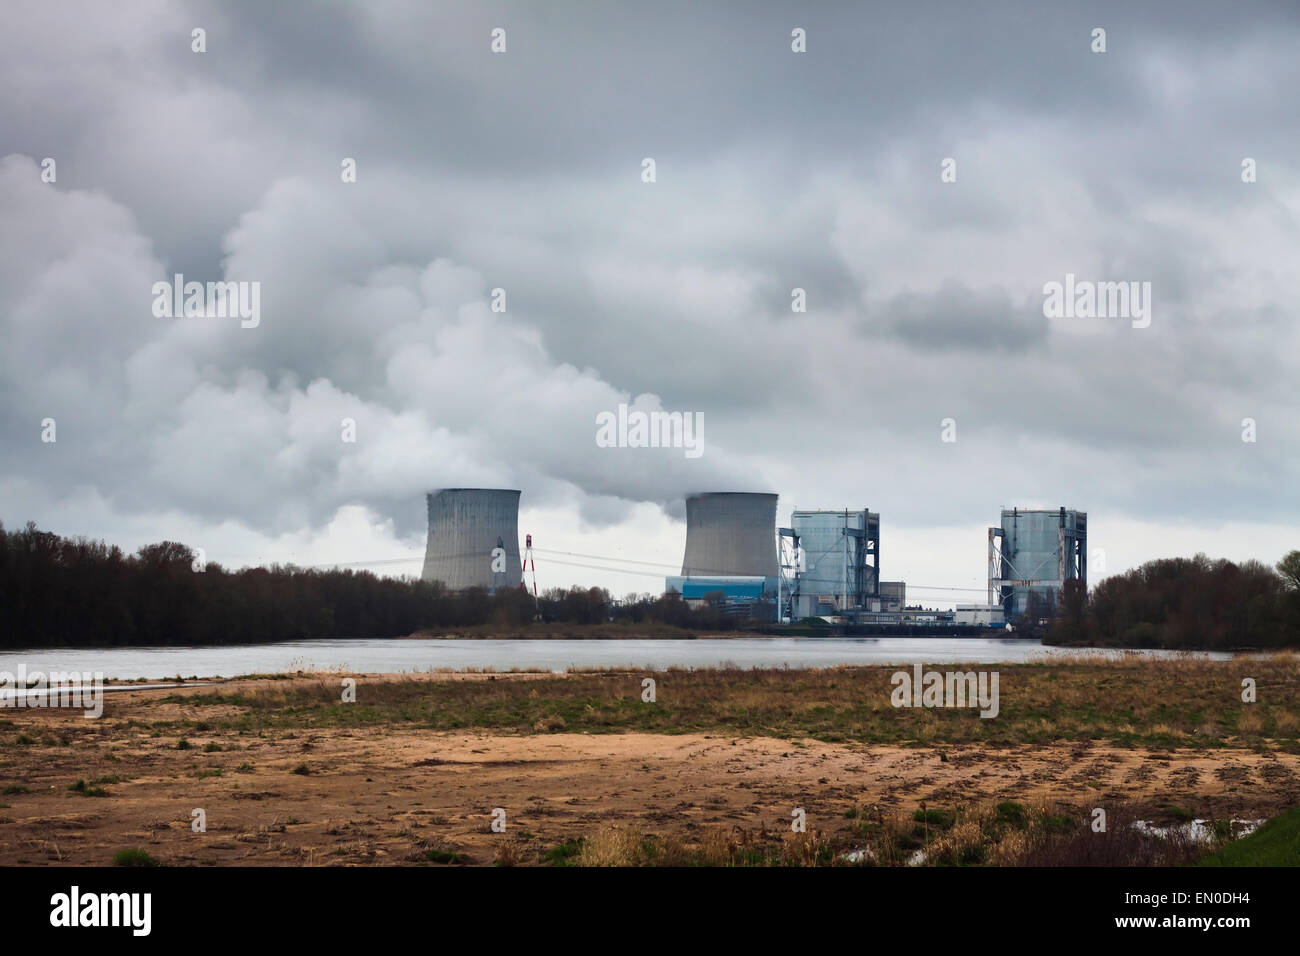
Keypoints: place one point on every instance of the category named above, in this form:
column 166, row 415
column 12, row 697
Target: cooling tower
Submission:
column 465, row 525
column 730, row 533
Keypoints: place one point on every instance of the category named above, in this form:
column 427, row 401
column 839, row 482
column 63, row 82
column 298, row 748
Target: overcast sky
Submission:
column 774, row 170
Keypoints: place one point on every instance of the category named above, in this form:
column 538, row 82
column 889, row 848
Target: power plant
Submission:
column 466, row 526
column 825, row 564
column 828, row 563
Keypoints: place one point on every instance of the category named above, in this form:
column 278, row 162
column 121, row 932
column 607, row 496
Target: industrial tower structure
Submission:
column 466, row 525
column 730, row 547
column 839, row 562
column 1032, row 555
column 730, row 533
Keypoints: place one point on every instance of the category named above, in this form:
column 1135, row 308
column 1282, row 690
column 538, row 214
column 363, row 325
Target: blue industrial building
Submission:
column 1031, row 556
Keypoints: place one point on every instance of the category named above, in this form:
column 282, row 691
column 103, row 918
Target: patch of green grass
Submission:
column 15, row 788
column 183, row 744
column 942, row 819
column 86, row 790
column 212, row 748
column 302, row 770
column 563, row 854
column 1058, row 823
column 133, row 857
column 1223, row 830
column 1013, row 814
column 443, row 856
column 1276, row 843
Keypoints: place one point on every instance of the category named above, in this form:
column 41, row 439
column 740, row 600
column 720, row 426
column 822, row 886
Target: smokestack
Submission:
column 730, row 533
column 465, row 525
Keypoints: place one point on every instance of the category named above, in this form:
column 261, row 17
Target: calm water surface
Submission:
column 383, row 656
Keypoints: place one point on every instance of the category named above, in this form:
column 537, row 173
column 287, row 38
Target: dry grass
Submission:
column 611, row 846
column 976, row 834
column 716, row 846
column 1250, row 722
column 1285, row 722
column 509, row 853
column 1132, row 700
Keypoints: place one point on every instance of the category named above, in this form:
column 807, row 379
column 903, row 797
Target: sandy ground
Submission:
column 385, row 796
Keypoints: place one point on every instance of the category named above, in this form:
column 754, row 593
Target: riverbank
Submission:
column 285, row 772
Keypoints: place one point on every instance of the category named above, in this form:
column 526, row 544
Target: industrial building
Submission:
column 730, row 547
column 840, row 562
column 1031, row 556
column 734, row 594
column 893, row 595
column 466, row 525
column 909, row 620
column 988, row 615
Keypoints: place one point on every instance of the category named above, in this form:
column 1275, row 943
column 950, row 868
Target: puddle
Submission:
column 1198, row 831
column 866, row 854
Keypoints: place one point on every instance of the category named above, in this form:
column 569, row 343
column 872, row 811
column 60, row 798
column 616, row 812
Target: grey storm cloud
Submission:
column 956, row 318
column 521, row 171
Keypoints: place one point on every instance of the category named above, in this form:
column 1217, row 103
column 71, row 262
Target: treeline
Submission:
column 1186, row 603
column 63, row 592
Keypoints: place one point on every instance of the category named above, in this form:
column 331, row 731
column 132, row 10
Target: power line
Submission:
column 938, row 587
column 595, row 567
column 603, row 557
column 418, row 556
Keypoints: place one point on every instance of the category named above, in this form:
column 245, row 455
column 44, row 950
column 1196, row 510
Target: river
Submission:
column 385, row 656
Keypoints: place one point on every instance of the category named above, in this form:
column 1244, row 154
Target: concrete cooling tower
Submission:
column 730, row 533
column 465, row 525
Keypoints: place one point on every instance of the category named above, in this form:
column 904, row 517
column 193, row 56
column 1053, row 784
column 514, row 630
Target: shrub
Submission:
column 133, row 857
